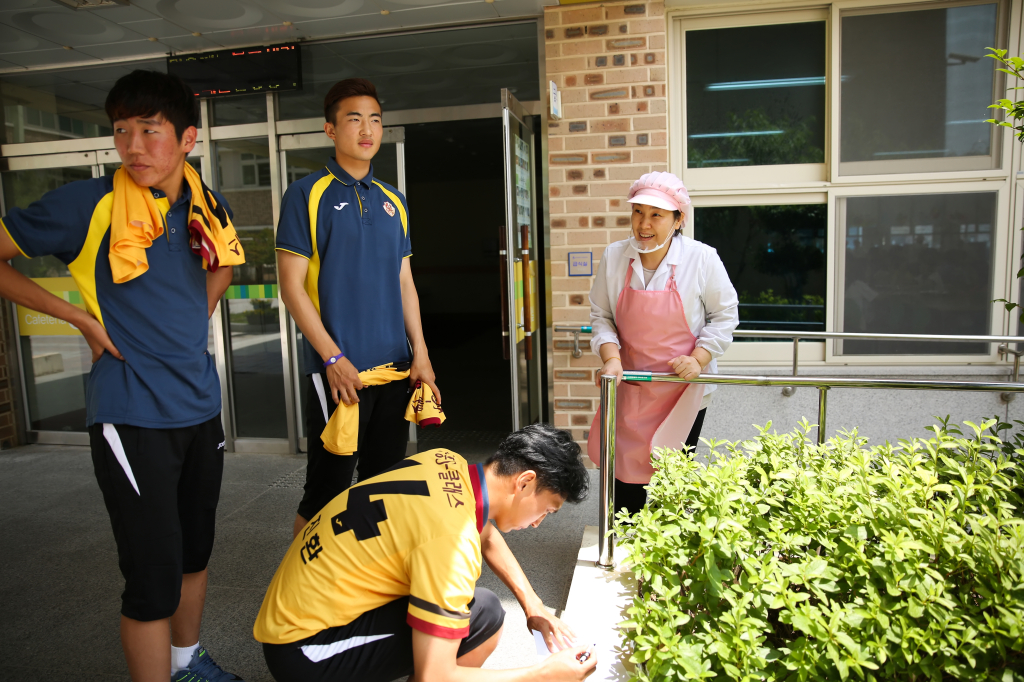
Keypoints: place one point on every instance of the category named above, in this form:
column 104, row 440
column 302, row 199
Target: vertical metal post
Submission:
column 605, row 539
column 790, row 390
column 822, row 407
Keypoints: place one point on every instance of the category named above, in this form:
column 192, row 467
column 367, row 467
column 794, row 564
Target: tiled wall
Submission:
column 608, row 61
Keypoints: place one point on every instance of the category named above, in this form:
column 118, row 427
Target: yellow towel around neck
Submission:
column 136, row 222
column 341, row 436
column 424, row 410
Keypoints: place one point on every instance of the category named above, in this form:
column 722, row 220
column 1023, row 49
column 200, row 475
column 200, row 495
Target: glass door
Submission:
column 307, row 153
column 55, row 359
column 518, row 256
column 249, row 310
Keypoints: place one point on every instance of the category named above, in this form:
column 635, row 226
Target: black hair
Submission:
column 350, row 87
column 676, row 215
column 551, row 453
column 148, row 93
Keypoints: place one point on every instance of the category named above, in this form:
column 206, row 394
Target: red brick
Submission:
column 613, row 125
column 582, row 16
column 582, row 47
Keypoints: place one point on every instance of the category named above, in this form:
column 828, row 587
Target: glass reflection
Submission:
column 62, row 104
column 775, row 257
column 931, row 62
column 918, row 264
column 421, row 70
column 251, row 303
column 755, row 112
column 55, row 357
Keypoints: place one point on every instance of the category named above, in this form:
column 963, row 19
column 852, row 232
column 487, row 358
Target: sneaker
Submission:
column 202, row 668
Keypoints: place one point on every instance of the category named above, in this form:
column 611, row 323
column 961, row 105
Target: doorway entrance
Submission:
column 455, row 180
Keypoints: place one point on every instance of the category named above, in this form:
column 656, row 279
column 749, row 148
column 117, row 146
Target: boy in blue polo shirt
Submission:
column 343, row 252
column 150, row 249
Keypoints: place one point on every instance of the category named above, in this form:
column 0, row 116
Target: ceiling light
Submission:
column 92, row 4
column 745, row 133
column 768, row 83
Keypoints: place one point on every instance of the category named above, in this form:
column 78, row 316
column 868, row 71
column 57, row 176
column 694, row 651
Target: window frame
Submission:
column 739, row 177
column 791, row 184
column 1001, row 145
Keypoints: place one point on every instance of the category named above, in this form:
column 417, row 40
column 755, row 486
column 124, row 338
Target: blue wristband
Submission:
column 331, row 361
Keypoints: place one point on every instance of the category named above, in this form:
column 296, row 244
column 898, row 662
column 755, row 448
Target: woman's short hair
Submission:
column 148, row 93
column 551, row 453
column 350, row 87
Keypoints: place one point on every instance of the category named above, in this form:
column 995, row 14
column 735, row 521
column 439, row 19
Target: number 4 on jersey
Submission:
column 363, row 515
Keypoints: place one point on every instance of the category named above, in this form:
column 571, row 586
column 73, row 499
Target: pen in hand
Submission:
column 584, row 655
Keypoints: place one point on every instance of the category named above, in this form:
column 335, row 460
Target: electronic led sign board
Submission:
column 239, row 71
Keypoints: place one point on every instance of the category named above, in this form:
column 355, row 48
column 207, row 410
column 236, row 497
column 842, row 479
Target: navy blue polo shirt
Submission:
column 158, row 321
column 355, row 234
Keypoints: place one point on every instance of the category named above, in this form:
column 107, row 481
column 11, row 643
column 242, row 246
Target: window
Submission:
column 755, row 112
column 775, row 257
column 841, row 164
column 917, row 264
column 915, row 88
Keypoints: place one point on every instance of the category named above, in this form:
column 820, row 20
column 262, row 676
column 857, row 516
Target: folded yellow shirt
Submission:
column 424, row 410
column 341, row 436
column 342, row 433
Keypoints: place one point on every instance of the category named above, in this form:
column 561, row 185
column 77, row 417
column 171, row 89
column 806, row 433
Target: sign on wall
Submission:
column 581, row 263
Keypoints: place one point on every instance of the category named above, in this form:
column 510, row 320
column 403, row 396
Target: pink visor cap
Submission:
column 663, row 190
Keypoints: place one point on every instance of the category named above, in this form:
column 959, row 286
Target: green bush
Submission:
column 785, row 560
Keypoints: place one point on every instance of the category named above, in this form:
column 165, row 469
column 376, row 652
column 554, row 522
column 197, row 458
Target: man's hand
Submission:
column 565, row 666
column 557, row 635
column 97, row 338
column 344, row 381
column 421, row 370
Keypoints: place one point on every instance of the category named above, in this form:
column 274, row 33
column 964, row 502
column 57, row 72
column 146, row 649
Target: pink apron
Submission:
column 652, row 330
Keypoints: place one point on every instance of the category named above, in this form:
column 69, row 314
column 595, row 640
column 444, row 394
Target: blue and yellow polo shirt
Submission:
column 355, row 234
column 158, row 320
column 412, row 531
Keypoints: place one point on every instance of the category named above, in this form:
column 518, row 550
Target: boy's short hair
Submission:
column 350, row 87
column 551, row 453
column 148, row 93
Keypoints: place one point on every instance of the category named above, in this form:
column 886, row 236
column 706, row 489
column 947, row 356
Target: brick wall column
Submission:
column 608, row 61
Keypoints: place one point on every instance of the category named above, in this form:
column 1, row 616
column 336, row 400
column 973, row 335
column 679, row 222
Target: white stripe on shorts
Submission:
column 319, row 652
column 318, row 383
column 114, row 441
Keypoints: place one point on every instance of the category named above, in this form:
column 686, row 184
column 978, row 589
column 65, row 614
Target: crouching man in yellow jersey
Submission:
column 381, row 583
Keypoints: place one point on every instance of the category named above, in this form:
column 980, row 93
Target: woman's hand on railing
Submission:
column 611, row 366
column 686, row 366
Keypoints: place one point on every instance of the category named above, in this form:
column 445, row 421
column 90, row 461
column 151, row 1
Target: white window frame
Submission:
column 753, row 185
column 836, row 257
column 740, row 177
column 1001, row 148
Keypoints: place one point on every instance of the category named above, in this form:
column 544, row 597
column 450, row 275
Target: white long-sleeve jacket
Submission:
column 709, row 299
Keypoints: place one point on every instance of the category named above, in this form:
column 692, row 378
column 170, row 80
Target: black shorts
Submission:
column 343, row 653
column 383, row 436
column 161, row 488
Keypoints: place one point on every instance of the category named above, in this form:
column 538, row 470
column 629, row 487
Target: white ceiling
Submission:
column 36, row 33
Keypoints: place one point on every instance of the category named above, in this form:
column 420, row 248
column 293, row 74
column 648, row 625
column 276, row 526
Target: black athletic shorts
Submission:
column 161, row 488
column 375, row 647
column 383, row 436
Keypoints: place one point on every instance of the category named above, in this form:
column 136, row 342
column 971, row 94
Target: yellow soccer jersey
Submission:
column 412, row 531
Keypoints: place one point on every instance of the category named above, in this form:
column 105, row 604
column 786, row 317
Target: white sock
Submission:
column 180, row 657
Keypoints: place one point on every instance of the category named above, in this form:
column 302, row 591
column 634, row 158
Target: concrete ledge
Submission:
column 597, row 603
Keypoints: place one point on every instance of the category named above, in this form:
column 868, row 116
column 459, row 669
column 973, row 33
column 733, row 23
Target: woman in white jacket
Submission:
column 660, row 302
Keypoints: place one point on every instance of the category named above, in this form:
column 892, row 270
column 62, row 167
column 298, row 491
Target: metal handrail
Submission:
column 789, row 387
column 606, row 539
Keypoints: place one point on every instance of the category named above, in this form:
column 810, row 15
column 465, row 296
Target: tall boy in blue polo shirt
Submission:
column 343, row 252
column 153, row 396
